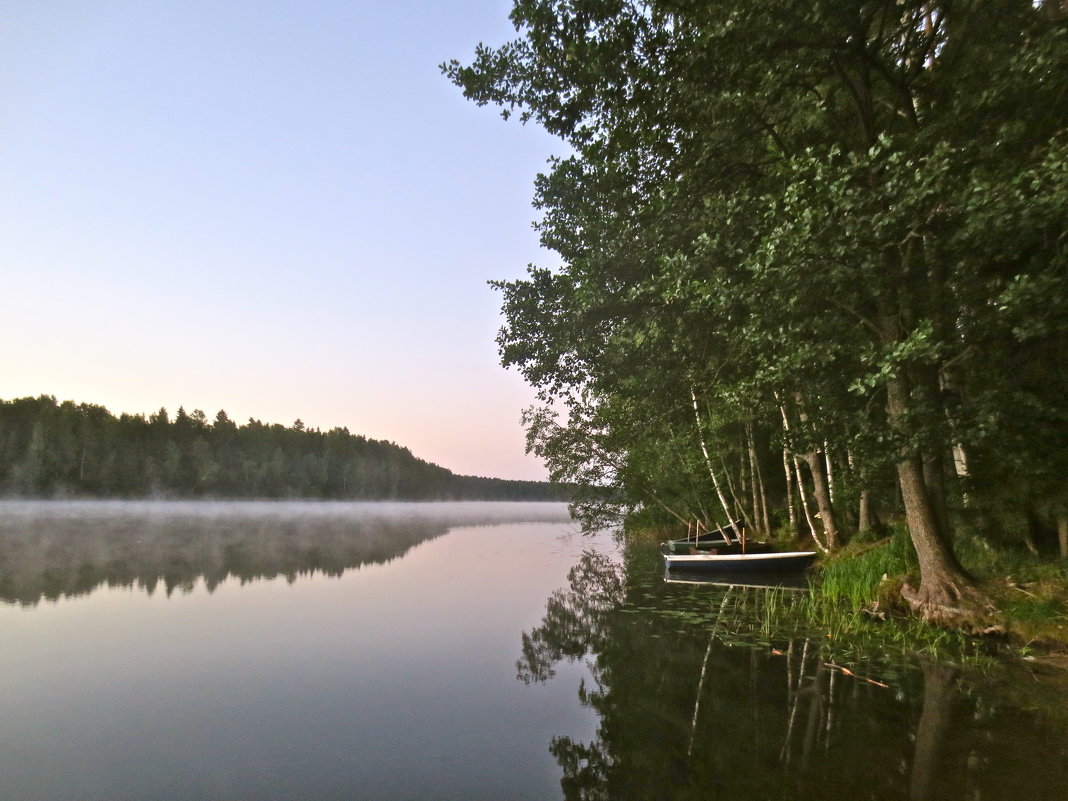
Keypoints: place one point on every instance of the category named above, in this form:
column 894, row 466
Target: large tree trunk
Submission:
column 934, row 476
column 822, row 491
column 947, row 594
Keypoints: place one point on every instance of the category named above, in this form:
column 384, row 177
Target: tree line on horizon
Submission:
column 51, row 557
column 52, row 449
column 814, row 265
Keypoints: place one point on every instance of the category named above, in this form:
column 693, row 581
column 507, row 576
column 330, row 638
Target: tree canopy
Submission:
column 814, row 260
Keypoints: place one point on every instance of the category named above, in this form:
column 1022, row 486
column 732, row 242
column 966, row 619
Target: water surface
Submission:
column 261, row 651
column 695, row 702
column 454, row 651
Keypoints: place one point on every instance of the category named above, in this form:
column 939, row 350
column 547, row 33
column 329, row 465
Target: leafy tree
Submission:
column 784, row 208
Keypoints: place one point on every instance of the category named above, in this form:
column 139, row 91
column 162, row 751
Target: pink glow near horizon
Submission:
column 278, row 210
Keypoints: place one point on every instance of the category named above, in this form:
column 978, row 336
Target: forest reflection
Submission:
column 690, row 711
column 51, row 550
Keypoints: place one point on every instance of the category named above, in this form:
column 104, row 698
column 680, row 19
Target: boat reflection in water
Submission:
column 793, row 581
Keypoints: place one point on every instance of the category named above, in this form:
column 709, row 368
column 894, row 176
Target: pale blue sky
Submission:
column 277, row 208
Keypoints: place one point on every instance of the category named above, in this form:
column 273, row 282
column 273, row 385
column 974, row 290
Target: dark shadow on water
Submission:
column 689, row 711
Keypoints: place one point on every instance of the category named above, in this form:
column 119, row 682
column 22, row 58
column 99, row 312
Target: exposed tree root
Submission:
column 955, row 605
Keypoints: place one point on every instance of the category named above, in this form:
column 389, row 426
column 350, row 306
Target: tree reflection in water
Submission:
column 688, row 710
column 575, row 619
column 50, row 550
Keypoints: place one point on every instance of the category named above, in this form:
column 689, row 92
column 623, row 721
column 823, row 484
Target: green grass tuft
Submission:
column 855, row 575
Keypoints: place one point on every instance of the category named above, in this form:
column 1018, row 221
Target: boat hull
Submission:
column 789, row 562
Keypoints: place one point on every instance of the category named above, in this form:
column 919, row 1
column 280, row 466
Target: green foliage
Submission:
column 52, row 449
column 790, row 213
column 856, row 575
column 1030, row 591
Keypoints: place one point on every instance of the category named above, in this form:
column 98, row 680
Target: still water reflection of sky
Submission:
column 460, row 651
column 395, row 678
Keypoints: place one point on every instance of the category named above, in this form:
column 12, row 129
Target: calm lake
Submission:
column 186, row 650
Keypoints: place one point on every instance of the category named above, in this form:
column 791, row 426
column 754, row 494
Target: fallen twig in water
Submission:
column 849, row 672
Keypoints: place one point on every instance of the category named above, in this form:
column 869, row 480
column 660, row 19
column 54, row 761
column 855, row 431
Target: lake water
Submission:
column 450, row 651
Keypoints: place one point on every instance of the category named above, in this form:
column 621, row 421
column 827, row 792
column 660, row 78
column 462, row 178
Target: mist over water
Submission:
column 50, row 549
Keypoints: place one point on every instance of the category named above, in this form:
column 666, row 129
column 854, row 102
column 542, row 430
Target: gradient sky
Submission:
column 281, row 209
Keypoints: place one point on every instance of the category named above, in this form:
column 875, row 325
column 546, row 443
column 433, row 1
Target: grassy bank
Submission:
column 859, row 587
column 854, row 604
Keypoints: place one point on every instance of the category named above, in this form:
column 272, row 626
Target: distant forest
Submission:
column 51, row 449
